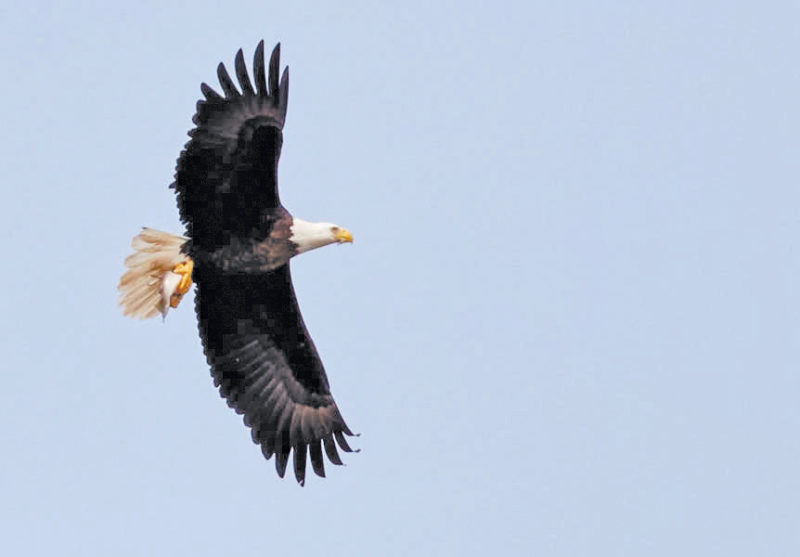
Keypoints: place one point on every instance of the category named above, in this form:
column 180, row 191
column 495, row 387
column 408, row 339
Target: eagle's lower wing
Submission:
column 227, row 175
column 266, row 366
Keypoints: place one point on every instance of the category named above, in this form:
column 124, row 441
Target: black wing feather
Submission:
column 317, row 462
column 241, row 74
column 209, row 93
column 280, row 462
column 300, row 453
column 330, row 450
column 258, row 69
column 342, row 441
column 274, row 69
column 227, row 175
column 226, row 82
column 267, row 367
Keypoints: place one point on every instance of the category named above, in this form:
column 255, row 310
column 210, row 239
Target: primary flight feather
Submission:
column 238, row 244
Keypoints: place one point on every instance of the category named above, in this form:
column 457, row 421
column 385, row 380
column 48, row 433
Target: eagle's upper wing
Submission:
column 227, row 175
column 266, row 366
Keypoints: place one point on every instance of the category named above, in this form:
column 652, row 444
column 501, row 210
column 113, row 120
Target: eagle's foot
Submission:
column 184, row 269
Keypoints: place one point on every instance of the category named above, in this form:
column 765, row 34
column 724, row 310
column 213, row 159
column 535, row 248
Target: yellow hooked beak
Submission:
column 344, row 235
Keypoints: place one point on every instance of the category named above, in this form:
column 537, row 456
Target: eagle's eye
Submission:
column 335, row 229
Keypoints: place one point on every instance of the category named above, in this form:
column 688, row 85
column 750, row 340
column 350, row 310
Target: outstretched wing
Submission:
column 227, row 175
column 267, row 367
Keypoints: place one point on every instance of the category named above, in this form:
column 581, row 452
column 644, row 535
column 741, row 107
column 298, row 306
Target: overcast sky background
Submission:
column 568, row 324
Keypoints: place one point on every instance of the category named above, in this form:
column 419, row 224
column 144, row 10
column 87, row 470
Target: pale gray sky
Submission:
column 568, row 325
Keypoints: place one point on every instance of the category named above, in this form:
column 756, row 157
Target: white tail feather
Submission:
column 146, row 287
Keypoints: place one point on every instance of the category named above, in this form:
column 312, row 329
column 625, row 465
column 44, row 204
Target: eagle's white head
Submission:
column 312, row 235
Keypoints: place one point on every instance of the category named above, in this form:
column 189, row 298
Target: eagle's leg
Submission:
column 184, row 269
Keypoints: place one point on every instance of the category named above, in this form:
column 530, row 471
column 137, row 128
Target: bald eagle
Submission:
column 238, row 244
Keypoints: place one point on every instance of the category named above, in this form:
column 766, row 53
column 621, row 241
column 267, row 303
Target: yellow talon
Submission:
column 184, row 269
